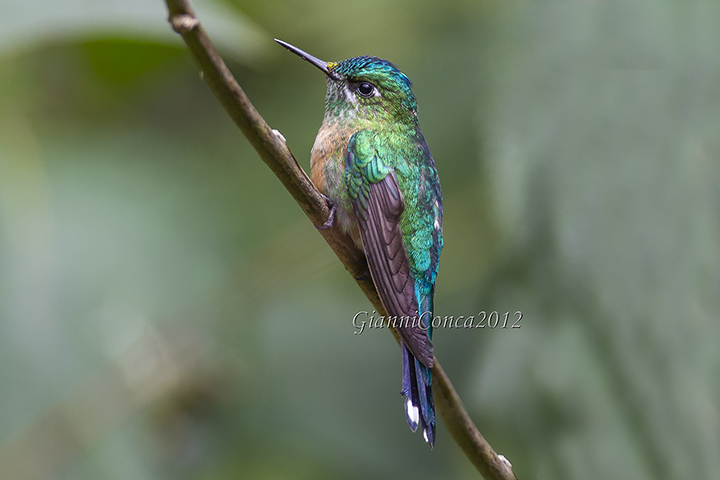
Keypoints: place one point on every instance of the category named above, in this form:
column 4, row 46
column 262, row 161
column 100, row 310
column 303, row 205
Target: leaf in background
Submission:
column 31, row 22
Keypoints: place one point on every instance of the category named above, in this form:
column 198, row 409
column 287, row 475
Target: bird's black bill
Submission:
column 314, row 60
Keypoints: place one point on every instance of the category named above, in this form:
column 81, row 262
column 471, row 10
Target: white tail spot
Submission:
column 412, row 411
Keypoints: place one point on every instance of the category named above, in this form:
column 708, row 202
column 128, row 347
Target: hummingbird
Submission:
column 372, row 163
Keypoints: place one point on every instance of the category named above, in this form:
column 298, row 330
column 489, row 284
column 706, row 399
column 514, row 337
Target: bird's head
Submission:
column 364, row 89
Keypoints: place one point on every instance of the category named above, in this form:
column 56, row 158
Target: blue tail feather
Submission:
column 417, row 378
column 417, row 389
column 412, row 412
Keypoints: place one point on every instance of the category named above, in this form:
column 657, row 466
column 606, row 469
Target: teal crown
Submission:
column 371, row 68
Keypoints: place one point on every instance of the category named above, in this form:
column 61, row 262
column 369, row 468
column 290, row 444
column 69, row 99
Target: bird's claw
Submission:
column 331, row 217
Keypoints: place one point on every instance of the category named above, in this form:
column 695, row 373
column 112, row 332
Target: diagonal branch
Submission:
column 271, row 147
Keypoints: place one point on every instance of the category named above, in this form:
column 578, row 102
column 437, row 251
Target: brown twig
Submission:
column 272, row 148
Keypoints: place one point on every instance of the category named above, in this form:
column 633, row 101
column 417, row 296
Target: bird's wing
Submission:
column 378, row 204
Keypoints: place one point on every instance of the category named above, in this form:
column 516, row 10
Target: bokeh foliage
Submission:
column 166, row 311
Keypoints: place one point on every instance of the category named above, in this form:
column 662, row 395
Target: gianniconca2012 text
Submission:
column 482, row 319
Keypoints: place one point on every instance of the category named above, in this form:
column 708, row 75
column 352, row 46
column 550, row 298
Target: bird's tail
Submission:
column 417, row 390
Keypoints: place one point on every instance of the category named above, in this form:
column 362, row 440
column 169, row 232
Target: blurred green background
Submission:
column 167, row 311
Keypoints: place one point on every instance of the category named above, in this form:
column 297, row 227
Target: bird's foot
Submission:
column 331, row 217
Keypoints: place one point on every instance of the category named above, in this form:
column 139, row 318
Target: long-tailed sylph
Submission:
column 371, row 160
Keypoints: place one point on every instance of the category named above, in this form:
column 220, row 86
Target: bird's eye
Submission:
column 366, row 89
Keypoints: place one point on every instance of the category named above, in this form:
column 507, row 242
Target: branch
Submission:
column 271, row 147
